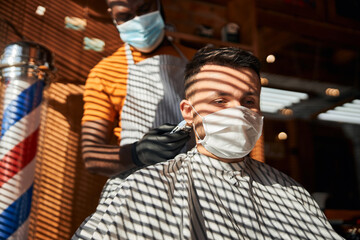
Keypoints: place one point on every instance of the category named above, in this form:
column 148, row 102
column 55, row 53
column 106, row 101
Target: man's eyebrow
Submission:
column 118, row 3
column 218, row 93
column 251, row 93
column 224, row 94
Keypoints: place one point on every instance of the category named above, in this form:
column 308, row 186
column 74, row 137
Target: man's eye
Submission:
column 250, row 102
column 219, row 101
column 123, row 17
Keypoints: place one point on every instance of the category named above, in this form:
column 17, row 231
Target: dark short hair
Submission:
column 225, row 56
column 159, row 3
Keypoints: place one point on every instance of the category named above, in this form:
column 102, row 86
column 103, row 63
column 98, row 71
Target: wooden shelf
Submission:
column 219, row 2
column 324, row 31
column 341, row 214
column 197, row 39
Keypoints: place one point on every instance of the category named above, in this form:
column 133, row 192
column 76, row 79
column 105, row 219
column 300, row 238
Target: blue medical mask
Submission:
column 145, row 32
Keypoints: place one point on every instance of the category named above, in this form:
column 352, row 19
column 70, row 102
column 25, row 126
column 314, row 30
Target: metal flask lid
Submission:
column 26, row 53
column 23, row 56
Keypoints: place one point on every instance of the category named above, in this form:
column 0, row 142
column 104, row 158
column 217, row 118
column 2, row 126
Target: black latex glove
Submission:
column 159, row 145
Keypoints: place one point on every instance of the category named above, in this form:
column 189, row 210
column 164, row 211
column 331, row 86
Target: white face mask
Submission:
column 232, row 132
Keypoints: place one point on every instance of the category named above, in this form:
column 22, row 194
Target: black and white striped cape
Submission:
column 196, row 197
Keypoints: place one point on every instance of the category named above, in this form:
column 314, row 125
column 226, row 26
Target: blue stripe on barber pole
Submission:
column 10, row 221
column 18, row 149
column 29, row 99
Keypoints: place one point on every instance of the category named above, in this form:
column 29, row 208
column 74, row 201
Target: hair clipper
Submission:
column 181, row 127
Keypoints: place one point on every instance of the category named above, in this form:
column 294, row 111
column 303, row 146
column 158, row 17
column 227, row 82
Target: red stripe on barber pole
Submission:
column 23, row 152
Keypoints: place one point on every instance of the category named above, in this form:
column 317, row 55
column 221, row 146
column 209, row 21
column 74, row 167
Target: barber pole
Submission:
column 23, row 66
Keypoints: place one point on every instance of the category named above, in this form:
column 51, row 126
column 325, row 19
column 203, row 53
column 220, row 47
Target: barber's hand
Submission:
column 158, row 145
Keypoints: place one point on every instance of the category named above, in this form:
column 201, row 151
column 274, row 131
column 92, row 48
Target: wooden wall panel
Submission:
column 64, row 192
column 187, row 15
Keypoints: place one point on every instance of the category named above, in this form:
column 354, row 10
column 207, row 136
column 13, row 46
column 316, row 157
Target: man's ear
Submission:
column 186, row 111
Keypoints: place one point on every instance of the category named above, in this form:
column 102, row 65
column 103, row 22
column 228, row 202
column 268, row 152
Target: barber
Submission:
column 133, row 94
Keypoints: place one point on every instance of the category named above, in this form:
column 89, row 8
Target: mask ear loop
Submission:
column 197, row 135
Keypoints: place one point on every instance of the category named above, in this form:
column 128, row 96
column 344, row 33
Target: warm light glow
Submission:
column 264, row 81
column 282, row 136
column 270, row 58
column 334, row 92
column 287, row 112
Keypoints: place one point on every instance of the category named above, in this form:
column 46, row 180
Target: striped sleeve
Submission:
column 97, row 104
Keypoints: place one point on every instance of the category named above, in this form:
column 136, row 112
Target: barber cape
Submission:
column 197, row 197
